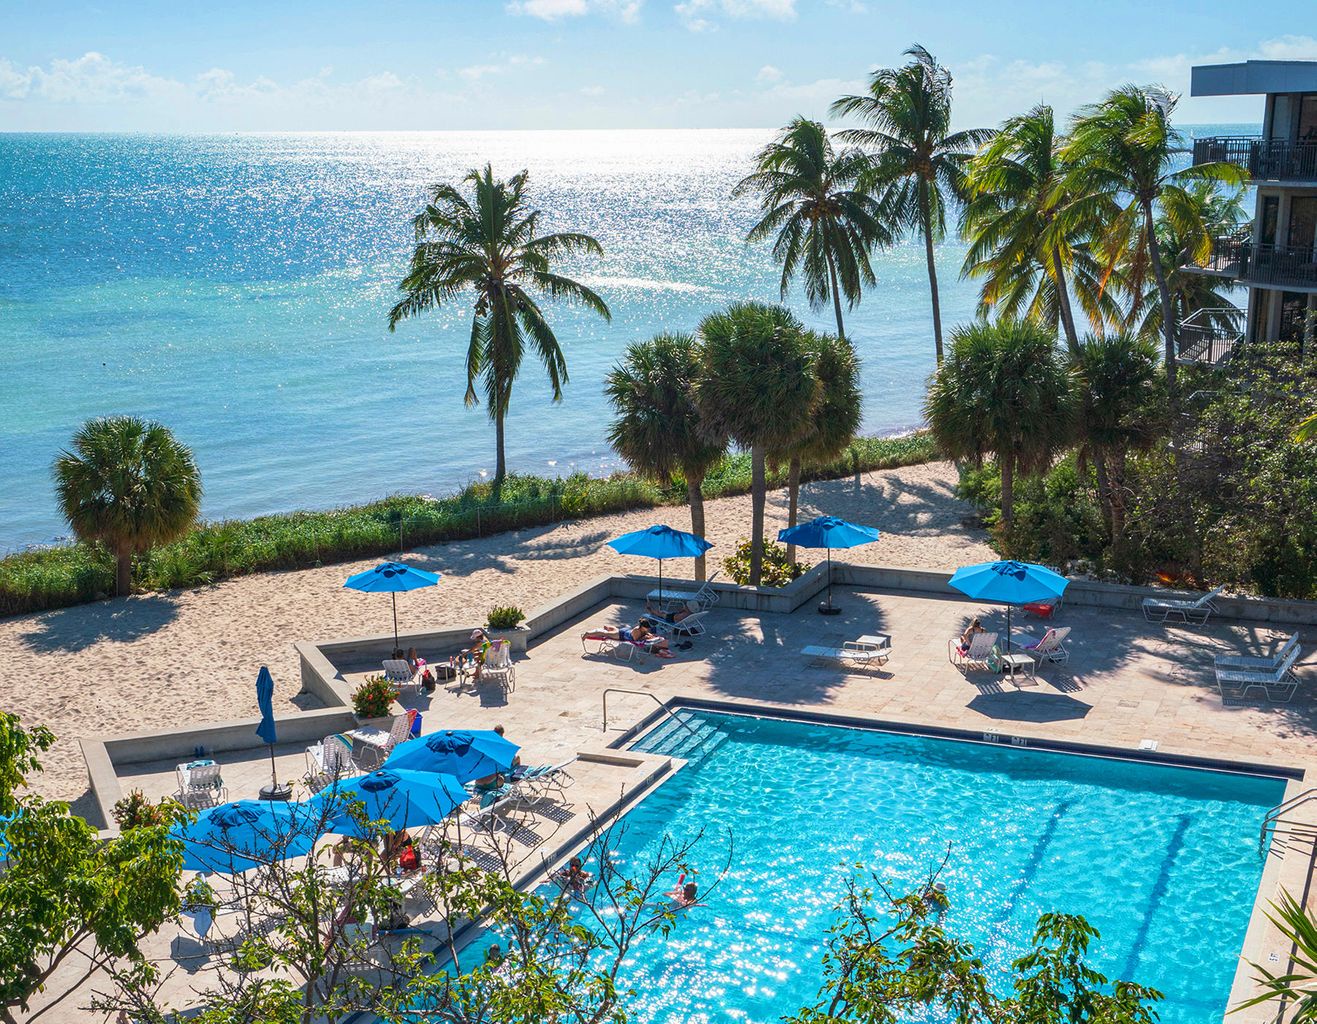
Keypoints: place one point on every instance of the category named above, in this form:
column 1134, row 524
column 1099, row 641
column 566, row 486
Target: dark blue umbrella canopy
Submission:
column 265, row 698
column 465, row 755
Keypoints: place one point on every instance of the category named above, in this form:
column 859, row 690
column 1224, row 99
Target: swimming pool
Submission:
column 1162, row 860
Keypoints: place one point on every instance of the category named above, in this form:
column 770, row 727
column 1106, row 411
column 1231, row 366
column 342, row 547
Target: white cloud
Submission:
column 593, row 90
column 699, row 15
column 89, row 79
column 553, row 10
column 475, row 72
column 768, row 73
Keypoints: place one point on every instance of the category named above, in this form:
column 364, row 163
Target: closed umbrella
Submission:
column 660, row 542
column 404, row 799
column 467, row 755
column 392, row 578
column 244, row 834
column 265, row 730
column 828, row 532
column 1009, row 583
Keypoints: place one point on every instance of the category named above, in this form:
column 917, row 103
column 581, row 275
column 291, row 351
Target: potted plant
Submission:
column 374, row 698
column 504, row 617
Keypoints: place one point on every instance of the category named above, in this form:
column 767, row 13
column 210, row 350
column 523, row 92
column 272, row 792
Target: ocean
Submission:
column 235, row 287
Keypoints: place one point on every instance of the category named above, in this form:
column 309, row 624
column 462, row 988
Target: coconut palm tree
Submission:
column 658, row 429
column 129, row 485
column 835, row 420
column 1003, row 390
column 1028, row 264
column 489, row 244
column 917, row 161
column 1118, row 399
column 823, row 225
column 1120, row 157
column 758, row 388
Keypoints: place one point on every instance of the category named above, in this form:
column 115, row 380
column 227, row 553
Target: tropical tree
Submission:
column 917, row 162
column 1298, row 985
column 1003, row 390
column 127, row 484
column 1119, row 405
column 658, row 429
column 1211, row 210
column 489, row 244
column 835, row 419
column 758, row 388
column 1027, row 259
column 823, row 225
column 1120, row 157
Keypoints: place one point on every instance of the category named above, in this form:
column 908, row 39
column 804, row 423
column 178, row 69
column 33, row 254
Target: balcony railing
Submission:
column 1210, row 335
column 1284, row 266
column 1264, row 159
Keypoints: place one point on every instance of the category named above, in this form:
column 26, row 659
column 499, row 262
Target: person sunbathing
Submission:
column 967, row 637
column 639, row 634
column 655, row 611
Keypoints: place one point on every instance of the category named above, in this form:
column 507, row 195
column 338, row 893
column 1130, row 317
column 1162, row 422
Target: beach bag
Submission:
column 427, row 681
column 410, row 860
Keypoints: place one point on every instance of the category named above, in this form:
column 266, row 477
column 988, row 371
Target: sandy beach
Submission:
column 152, row 660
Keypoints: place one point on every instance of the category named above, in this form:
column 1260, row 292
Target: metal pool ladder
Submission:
column 645, row 693
column 1276, row 826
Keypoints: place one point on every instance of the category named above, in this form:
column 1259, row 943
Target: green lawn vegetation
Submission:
column 56, row 577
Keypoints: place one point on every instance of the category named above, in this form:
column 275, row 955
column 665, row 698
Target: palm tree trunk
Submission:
column 500, row 463
column 758, row 494
column 793, row 500
column 695, row 495
column 836, row 299
column 1007, row 496
column 926, row 216
column 1119, row 515
column 1104, row 490
column 1063, row 303
column 123, row 573
column 1168, row 309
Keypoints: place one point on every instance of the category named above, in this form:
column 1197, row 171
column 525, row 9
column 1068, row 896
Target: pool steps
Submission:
column 691, row 738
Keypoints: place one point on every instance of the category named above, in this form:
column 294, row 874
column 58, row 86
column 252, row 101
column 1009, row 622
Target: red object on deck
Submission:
column 1040, row 608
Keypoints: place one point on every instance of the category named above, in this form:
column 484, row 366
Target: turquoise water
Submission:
column 1163, row 861
column 235, row 287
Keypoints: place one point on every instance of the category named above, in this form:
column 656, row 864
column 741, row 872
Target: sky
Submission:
column 298, row 65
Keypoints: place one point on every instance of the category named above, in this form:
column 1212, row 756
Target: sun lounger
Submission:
column 691, row 625
column 1255, row 663
column 704, row 598
column 200, row 785
column 498, row 666
column 1050, row 648
column 1279, row 684
column 1195, row 610
column 852, row 652
column 372, row 746
column 327, row 761
column 396, row 670
column 980, row 648
column 626, row 650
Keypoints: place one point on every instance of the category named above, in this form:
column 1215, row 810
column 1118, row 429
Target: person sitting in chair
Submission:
column 967, row 637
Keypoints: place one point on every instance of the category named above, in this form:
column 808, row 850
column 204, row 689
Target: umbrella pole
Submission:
column 274, row 772
column 660, row 600
column 395, row 620
column 1008, row 629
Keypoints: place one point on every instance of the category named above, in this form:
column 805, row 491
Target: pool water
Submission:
column 1162, row 860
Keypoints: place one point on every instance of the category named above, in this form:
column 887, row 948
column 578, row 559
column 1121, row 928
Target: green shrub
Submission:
column 777, row 571
column 374, row 698
column 136, row 811
column 505, row 617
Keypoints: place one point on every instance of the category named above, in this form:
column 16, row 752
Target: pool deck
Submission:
column 1128, row 684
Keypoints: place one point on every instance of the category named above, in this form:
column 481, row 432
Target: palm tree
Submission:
column 835, row 420
column 822, row 224
column 1119, row 155
column 659, row 430
column 1298, row 986
column 127, row 484
column 1003, row 390
column 1211, row 211
column 757, row 387
column 917, row 161
column 490, row 244
column 1118, row 398
column 1027, row 262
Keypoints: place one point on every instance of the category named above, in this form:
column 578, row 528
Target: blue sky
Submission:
column 461, row 64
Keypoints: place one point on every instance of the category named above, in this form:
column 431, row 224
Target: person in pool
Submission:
column 685, row 894
column 573, row 878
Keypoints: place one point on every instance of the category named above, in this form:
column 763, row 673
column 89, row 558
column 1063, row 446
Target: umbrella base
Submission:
column 273, row 792
column 827, row 608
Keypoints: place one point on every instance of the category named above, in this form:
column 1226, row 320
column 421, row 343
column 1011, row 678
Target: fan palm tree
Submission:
column 658, row 430
column 1003, row 390
column 917, row 161
column 490, row 244
column 758, row 388
column 1118, row 399
column 1120, row 157
column 823, row 225
column 129, row 485
column 1027, row 263
column 835, row 420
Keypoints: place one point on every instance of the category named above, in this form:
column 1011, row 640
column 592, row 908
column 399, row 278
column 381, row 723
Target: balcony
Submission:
column 1277, row 266
column 1264, row 159
column 1210, row 335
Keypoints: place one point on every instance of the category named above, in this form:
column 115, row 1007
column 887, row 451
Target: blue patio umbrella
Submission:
column 404, row 799
column 241, row 835
column 1009, row 583
column 660, row 542
column 265, row 730
column 465, row 755
column 392, row 578
column 828, row 532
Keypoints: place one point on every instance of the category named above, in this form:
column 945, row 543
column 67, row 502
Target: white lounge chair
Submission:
column 200, row 785
column 375, row 744
column 1256, row 663
column 704, row 598
column 625, row 650
column 396, row 670
column 1050, row 648
column 851, row 653
column 980, row 648
column 1195, row 610
column 327, row 761
column 691, row 625
column 498, row 666
column 1279, row 684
